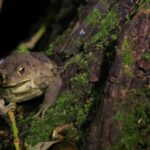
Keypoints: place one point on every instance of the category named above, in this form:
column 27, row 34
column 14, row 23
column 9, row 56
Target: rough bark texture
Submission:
column 126, row 75
column 129, row 73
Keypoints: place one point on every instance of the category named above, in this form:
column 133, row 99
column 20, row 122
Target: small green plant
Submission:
column 106, row 26
column 94, row 18
column 22, row 49
column 127, row 52
column 146, row 56
column 50, row 50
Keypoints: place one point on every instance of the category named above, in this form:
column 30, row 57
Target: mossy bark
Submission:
column 115, row 32
column 104, row 71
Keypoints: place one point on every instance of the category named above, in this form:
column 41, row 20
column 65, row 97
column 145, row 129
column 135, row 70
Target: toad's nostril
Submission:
column 2, row 78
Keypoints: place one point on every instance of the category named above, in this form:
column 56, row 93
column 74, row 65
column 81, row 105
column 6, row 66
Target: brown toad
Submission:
column 24, row 76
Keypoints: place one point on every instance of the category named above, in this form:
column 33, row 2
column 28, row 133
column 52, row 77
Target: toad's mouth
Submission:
column 20, row 87
column 16, row 84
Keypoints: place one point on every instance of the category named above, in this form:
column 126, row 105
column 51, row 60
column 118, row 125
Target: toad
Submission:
column 24, row 76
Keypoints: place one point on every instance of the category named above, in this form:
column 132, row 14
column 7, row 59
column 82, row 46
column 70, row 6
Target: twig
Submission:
column 14, row 130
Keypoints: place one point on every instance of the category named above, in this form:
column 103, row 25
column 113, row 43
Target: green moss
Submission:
column 127, row 54
column 146, row 56
column 94, row 18
column 80, row 84
column 82, row 59
column 83, row 113
column 130, row 134
column 106, row 26
column 128, row 58
column 144, row 4
column 50, row 50
column 71, row 106
column 81, row 79
column 127, row 49
column 22, row 49
column 68, row 108
column 41, row 130
column 136, row 122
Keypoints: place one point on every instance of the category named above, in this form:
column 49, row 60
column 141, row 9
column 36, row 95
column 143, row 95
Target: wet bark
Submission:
column 121, row 76
column 122, row 79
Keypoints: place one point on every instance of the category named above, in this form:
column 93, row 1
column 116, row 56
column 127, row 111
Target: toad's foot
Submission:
column 41, row 112
column 4, row 109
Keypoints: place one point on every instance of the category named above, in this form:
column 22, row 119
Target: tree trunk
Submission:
column 121, row 67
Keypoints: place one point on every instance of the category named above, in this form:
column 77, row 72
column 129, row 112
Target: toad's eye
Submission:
column 21, row 70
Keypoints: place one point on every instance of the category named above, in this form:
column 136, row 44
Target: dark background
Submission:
column 16, row 19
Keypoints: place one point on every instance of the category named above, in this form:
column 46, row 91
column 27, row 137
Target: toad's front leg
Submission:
column 50, row 97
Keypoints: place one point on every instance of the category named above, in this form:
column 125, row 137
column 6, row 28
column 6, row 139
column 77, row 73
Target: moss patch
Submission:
column 127, row 54
column 82, row 59
column 94, row 18
column 146, row 56
column 106, row 26
column 144, row 4
column 72, row 106
column 50, row 50
column 68, row 108
column 136, row 122
column 22, row 49
column 127, row 49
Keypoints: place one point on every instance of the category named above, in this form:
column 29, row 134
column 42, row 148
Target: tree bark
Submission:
column 126, row 74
